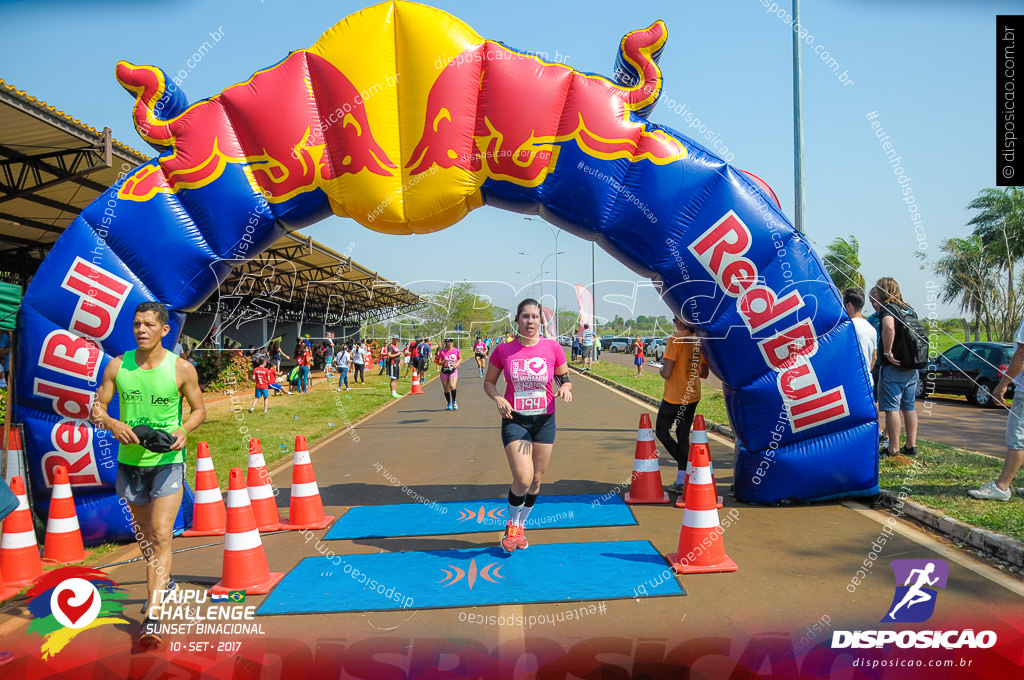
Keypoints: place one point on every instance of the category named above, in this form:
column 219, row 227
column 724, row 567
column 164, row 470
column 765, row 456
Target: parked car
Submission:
column 647, row 345
column 565, row 340
column 971, row 369
column 656, row 350
column 615, row 344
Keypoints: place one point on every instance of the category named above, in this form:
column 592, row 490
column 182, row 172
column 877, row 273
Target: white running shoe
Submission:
column 990, row 492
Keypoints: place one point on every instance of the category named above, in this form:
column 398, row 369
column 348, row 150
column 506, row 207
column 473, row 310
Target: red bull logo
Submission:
column 493, row 133
column 721, row 250
column 77, row 353
column 285, row 150
column 306, row 124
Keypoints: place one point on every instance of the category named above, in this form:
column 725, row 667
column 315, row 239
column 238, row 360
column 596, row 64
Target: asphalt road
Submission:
column 950, row 420
column 797, row 565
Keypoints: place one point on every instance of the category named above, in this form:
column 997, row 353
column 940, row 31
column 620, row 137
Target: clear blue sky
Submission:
column 926, row 67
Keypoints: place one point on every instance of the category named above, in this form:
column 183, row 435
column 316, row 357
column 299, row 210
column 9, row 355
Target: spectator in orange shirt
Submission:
column 683, row 368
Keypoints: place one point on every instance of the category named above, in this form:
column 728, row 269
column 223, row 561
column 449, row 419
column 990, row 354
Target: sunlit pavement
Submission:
column 797, row 565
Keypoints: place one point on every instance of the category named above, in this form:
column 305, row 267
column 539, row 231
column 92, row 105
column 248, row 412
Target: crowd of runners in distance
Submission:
column 396, row 359
column 349, row 362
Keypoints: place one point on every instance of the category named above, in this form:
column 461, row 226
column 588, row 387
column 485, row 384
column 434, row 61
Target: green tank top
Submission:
column 149, row 397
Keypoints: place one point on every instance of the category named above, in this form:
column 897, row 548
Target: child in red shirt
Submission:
column 638, row 355
column 262, row 376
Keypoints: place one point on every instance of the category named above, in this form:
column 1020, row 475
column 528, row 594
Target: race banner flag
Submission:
column 550, row 326
column 586, row 301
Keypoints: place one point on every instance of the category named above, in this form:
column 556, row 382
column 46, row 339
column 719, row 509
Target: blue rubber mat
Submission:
column 467, row 517
column 557, row 572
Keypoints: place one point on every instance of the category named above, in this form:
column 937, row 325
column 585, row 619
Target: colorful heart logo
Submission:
column 74, row 612
column 75, row 603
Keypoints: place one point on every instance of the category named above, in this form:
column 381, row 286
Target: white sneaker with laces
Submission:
column 990, row 492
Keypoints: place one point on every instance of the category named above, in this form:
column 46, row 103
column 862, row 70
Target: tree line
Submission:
column 978, row 272
column 460, row 312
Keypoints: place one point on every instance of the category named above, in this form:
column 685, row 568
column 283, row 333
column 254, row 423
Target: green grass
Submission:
column 939, row 339
column 712, row 402
column 314, row 415
column 943, row 476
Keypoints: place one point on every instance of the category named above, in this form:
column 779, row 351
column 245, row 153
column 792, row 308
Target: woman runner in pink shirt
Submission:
column 531, row 365
column 448, row 361
column 480, row 350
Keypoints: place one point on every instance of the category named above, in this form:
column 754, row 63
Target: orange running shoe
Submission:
column 510, row 541
column 521, row 542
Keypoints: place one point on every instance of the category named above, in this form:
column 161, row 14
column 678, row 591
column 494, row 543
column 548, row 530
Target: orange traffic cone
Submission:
column 14, row 448
column 19, row 552
column 208, row 514
column 261, row 493
column 698, row 437
column 306, row 510
column 245, row 563
column 6, row 592
column 63, row 541
column 681, row 501
column 416, row 389
column 701, row 549
column 645, row 485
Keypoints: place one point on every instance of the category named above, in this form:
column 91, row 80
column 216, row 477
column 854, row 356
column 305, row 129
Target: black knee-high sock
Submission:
column 515, row 506
column 453, row 393
column 448, row 397
column 528, row 502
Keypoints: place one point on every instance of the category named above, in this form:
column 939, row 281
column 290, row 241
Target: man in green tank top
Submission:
column 151, row 382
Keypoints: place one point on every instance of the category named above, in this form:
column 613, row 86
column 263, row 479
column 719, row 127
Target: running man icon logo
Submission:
column 914, row 601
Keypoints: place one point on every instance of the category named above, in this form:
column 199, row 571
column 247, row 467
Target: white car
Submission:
column 657, row 349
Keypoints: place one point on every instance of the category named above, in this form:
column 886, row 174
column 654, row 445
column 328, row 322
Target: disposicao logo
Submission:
column 914, row 602
column 67, row 601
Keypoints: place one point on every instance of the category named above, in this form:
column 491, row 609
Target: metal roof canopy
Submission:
column 307, row 281
column 52, row 166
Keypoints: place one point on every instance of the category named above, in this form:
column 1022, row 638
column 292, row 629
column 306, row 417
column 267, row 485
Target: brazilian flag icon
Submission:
column 236, row 596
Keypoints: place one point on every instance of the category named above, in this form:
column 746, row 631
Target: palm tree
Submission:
column 842, row 262
column 1000, row 226
column 968, row 268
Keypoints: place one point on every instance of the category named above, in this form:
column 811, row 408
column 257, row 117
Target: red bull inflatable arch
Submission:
column 404, row 119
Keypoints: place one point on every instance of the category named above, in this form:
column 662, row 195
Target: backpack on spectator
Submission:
column 910, row 346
